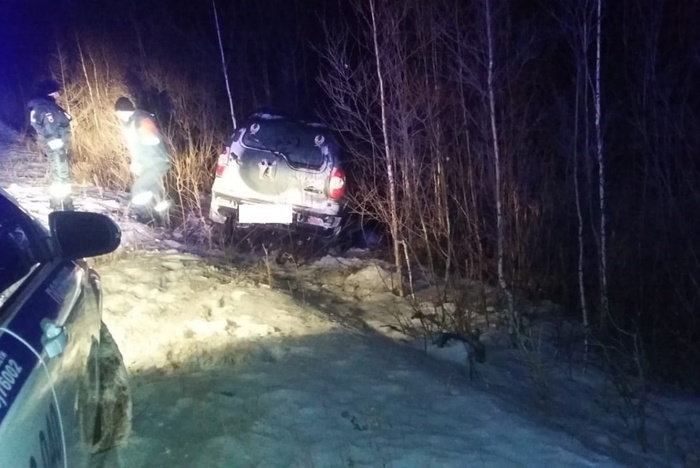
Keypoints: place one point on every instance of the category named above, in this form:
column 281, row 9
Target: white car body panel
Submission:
column 304, row 189
column 49, row 320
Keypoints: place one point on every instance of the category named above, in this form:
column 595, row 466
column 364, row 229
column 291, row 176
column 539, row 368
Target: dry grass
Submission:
column 94, row 77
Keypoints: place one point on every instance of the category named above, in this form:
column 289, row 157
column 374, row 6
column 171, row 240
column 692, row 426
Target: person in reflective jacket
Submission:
column 52, row 125
column 150, row 161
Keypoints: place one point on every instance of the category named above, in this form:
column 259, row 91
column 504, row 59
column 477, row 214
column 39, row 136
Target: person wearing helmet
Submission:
column 150, row 161
column 52, row 125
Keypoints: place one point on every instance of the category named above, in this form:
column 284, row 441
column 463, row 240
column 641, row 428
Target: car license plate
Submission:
column 264, row 214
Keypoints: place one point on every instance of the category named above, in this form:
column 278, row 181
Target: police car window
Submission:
column 16, row 255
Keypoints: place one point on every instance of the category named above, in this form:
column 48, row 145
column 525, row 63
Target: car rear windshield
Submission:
column 303, row 146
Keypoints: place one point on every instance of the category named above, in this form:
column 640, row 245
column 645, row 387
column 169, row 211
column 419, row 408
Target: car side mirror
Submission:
column 80, row 234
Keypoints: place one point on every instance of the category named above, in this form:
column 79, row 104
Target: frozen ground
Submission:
column 238, row 362
column 230, row 373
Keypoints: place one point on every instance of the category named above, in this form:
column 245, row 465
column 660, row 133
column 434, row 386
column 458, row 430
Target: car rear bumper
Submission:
column 223, row 207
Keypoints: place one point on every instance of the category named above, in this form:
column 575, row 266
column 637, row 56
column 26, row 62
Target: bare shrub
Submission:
column 625, row 364
column 95, row 75
column 435, row 116
column 92, row 80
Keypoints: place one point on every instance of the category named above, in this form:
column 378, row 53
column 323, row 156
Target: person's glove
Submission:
column 55, row 144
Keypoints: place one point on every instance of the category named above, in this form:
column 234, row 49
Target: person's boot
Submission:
column 145, row 218
column 141, row 215
column 161, row 213
column 65, row 204
column 162, row 220
column 68, row 204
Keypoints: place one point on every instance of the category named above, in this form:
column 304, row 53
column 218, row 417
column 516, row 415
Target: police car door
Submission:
column 36, row 398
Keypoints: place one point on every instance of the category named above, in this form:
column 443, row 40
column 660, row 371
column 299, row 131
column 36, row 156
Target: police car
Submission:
column 54, row 410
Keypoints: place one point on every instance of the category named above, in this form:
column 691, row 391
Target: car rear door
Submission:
column 284, row 162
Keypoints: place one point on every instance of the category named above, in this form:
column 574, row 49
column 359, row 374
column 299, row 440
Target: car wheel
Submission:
column 225, row 233
column 105, row 404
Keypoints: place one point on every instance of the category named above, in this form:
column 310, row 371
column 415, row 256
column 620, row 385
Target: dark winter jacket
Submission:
column 145, row 142
column 48, row 119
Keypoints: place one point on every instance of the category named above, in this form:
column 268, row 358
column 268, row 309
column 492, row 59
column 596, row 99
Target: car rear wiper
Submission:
column 276, row 152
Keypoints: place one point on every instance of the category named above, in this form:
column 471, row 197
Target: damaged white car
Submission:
column 280, row 171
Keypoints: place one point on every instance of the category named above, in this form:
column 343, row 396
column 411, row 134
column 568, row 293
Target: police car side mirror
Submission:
column 80, row 234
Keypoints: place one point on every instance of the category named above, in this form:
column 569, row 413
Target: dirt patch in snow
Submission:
column 175, row 311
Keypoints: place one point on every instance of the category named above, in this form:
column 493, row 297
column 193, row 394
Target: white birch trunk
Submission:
column 387, row 153
column 500, row 230
column 223, row 64
column 579, row 214
column 602, row 274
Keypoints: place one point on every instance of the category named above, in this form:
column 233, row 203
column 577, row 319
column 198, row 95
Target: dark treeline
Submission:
column 462, row 95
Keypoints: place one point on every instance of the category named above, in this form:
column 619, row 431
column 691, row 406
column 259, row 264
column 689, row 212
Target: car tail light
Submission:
column 336, row 186
column 223, row 161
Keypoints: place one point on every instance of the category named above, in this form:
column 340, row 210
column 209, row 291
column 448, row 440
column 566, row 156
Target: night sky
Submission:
column 269, row 44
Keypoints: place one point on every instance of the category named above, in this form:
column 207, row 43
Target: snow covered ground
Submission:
column 239, row 362
column 227, row 372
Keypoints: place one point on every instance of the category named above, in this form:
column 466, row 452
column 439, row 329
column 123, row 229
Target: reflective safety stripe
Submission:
column 55, row 144
column 142, row 198
column 162, row 206
column 59, row 190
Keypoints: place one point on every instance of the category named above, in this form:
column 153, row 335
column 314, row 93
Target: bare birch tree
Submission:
column 223, row 63
column 390, row 171
column 602, row 253
column 495, row 147
column 576, row 21
column 422, row 104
